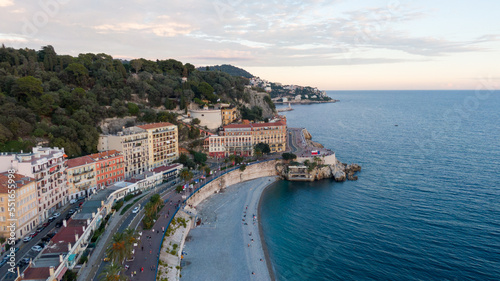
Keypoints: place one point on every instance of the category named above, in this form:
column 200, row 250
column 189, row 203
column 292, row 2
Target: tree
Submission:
column 133, row 109
column 112, row 272
column 195, row 121
column 179, row 189
column 263, row 147
column 118, row 250
column 200, row 158
column 288, row 156
column 243, row 167
column 186, row 175
column 27, row 87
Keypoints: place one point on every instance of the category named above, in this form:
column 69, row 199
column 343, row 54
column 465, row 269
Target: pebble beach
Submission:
column 227, row 245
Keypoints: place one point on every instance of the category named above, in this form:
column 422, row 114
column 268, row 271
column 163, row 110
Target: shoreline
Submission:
column 218, row 247
column 267, row 258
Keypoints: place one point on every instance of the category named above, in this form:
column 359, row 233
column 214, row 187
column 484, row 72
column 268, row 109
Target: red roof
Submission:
column 155, row 125
column 164, row 168
column 19, row 181
column 108, row 153
column 36, row 273
column 79, row 161
column 59, row 243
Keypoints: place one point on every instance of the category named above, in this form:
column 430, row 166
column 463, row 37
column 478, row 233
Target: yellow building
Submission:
column 81, row 173
column 228, row 115
column 22, row 206
column 162, row 143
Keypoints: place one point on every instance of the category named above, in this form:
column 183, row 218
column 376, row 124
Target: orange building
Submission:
column 110, row 167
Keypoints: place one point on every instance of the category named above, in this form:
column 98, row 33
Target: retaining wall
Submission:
column 264, row 169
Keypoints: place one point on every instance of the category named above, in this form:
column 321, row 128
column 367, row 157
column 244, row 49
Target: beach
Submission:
column 228, row 244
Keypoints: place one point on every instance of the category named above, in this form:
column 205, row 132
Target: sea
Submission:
column 426, row 205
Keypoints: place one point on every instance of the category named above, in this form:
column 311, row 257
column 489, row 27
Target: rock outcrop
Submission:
column 339, row 172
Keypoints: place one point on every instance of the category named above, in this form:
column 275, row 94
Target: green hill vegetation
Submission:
column 227, row 68
column 60, row 100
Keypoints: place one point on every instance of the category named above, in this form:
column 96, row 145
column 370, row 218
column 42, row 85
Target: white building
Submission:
column 47, row 166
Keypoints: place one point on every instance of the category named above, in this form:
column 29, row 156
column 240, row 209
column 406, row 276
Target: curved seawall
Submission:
column 253, row 171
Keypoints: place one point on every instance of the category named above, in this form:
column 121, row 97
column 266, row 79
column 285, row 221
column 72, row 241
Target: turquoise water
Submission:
column 427, row 202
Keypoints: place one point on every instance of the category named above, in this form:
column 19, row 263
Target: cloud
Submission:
column 6, row 3
column 269, row 33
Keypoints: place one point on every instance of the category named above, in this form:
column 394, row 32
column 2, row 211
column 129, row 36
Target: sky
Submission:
column 332, row 45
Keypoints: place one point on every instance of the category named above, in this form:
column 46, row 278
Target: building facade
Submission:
column 48, row 167
column 110, row 167
column 228, row 114
column 240, row 139
column 162, row 143
column 21, row 205
column 81, row 175
column 133, row 143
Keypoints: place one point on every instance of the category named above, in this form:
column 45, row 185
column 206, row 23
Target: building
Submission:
column 169, row 172
column 240, row 139
column 144, row 147
column 133, row 143
column 162, row 143
column 228, row 114
column 110, row 167
column 211, row 118
column 23, row 200
column 48, row 167
column 81, row 173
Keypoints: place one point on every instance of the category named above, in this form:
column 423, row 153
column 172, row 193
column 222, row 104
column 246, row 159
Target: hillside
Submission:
column 60, row 100
column 227, row 68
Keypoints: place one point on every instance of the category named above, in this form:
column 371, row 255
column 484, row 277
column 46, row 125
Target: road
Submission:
column 25, row 247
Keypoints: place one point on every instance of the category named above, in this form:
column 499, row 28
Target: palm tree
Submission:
column 112, row 272
column 118, row 251
column 186, row 175
column 155, row 202
column 129, row 238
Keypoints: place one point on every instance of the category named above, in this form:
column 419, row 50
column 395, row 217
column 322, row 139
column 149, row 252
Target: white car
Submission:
column 56, row 215
column 135, row 210
column 27, row 238
column 72, row 201
column 36, row 248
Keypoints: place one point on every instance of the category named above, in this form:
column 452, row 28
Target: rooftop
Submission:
column 36, row 273
column 59, row 243
column 79, row 161
column 19, row 181
column 155, row 125
column 108, row 154
column 165, row 168
column 255, row 125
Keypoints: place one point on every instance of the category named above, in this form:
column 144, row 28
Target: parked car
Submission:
column 33, row 234
column 36, row 248
column 46, row 239
column 51, row 219
column 25, row 261
column 59, row 224
column 81, row 203
column 27, row 238
column 16, row 249
column 72, row 211
column 51, row 235
column 40, row 229
column 46, row 224
column 68, row 216
column 41, row 244
column 56, row 215
column 3, row 262
column 72, row 201
column 135, row 210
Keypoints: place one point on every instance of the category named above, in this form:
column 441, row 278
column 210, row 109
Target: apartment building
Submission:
column 228, row 113
column 24, row 210
column 162, row 143
column 134, row 145
column 110, row 167
column 47, row 166
column 81, row 174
